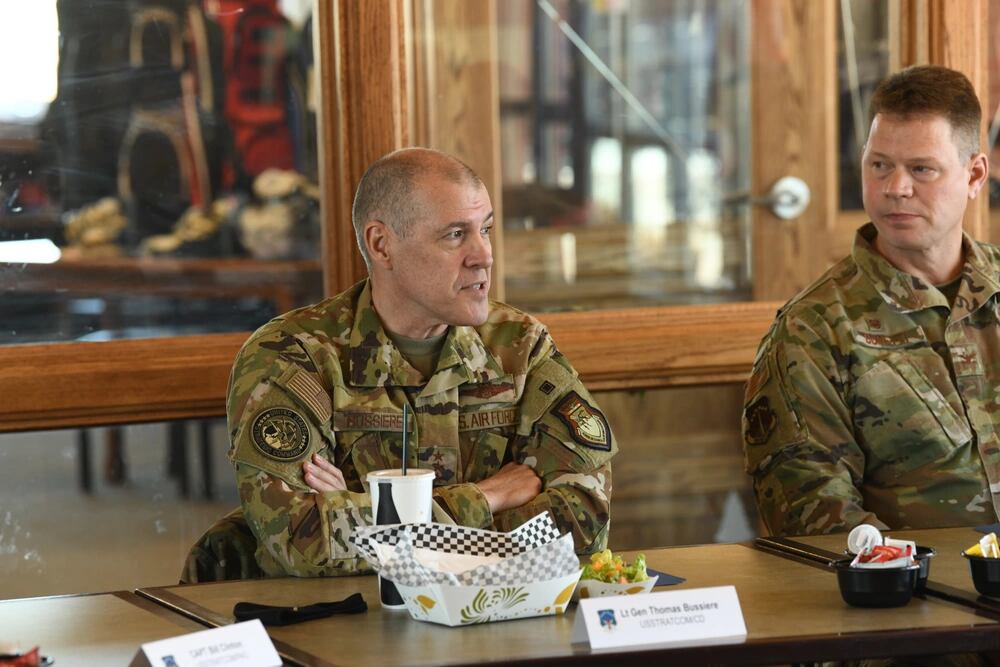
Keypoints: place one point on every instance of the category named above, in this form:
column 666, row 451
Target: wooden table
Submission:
column 949, row 577
column 89, row 630
column 793, row 612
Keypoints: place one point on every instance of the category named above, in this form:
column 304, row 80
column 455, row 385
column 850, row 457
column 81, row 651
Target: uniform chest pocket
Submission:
column 903, row 420
column 364, row 453
column 484, row 451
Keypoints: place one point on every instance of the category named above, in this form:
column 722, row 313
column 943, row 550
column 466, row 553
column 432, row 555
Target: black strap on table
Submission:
column 270, row 615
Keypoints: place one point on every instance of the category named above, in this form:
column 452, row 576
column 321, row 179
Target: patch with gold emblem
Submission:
column 280, row 433
column 587, row 425
column 760, row 421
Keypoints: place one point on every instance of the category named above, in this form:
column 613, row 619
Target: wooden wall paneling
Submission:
column 693, row 436
column 457, row 86
column 794, row 108
column 954, row 34
column 659, row 347
column 88, row 384
column 364, row 78
column 958, row 38
column 82, row 384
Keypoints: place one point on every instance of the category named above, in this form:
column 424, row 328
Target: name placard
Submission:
column 238, row 645
column 689, row 617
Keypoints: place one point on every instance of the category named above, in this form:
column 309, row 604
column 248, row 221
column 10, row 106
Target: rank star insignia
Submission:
column 761, row 421
column 586, row 425
column 280, row 433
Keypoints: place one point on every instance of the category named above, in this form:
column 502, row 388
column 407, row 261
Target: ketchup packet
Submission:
column 881, row 553
column 29, row 659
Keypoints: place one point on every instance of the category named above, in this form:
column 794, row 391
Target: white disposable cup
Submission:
column 410, row 493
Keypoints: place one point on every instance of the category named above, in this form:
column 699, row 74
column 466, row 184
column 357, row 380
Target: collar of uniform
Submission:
column 464, row 358
column 979, row 280
column 374, row 360
column 901, row 290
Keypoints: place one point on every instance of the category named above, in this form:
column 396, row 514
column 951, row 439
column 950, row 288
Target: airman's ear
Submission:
column 376, row 236
column 979, row 171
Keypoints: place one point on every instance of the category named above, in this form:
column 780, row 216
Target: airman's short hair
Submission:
column 387, row 189
column 937, row 91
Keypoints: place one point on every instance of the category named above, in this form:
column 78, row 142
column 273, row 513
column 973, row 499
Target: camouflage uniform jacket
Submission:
column 326, row 379
column 873, row 401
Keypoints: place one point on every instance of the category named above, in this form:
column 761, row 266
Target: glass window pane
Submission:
column 642, row 148
column 632, row 164
column 679, row 475
column 862, row 61
column 134, row 529
column 157, row 168
column 991, row 109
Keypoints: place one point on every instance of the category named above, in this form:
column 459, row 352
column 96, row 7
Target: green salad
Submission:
column 611, row 569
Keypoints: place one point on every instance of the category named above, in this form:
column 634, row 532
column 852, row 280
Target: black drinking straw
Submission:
column 406, row 411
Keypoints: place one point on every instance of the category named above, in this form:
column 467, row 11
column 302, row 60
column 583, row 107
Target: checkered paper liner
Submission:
column 532, row 552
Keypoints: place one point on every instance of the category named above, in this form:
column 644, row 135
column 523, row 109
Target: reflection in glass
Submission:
column 991, row 103
column 679, row 475
column 170, row 156
column 632, row 125
column 153, row 490
column 862, row 61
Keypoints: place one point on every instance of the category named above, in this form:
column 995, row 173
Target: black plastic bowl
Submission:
column 923, row 558
column 870, row 587
column 985, row 574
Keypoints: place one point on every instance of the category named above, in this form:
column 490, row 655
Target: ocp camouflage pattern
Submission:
column 873, row 401
column 489, row 402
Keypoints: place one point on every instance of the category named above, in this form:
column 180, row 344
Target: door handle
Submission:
column 788, row 198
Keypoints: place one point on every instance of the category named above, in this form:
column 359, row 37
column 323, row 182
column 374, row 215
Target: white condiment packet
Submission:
column 988, row 545
column 902, row 544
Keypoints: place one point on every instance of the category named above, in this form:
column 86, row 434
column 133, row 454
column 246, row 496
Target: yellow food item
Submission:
column 988, row 547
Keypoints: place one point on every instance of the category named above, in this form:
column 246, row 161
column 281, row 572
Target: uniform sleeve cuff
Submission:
column 466, row 504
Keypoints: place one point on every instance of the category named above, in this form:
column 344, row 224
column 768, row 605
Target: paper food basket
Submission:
column 455, row 575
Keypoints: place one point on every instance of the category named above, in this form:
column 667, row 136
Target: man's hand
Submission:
column 321, row 475
column 514, row 485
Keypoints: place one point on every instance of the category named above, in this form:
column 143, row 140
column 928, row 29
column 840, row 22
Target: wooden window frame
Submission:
column 370, row 106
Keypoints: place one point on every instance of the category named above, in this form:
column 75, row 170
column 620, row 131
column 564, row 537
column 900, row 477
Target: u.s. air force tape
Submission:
column 280, row 433
column 587, row 425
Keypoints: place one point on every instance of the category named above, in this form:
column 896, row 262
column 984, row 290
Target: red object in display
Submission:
column 255, row 61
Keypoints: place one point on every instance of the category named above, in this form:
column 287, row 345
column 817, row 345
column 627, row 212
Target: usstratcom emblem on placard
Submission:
column 280, row 433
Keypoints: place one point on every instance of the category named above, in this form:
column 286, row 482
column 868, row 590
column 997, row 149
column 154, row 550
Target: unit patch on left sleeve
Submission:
column 587, row 425
column 280, row 433
column 759, row 421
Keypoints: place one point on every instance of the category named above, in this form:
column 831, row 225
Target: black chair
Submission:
column 225, row 552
